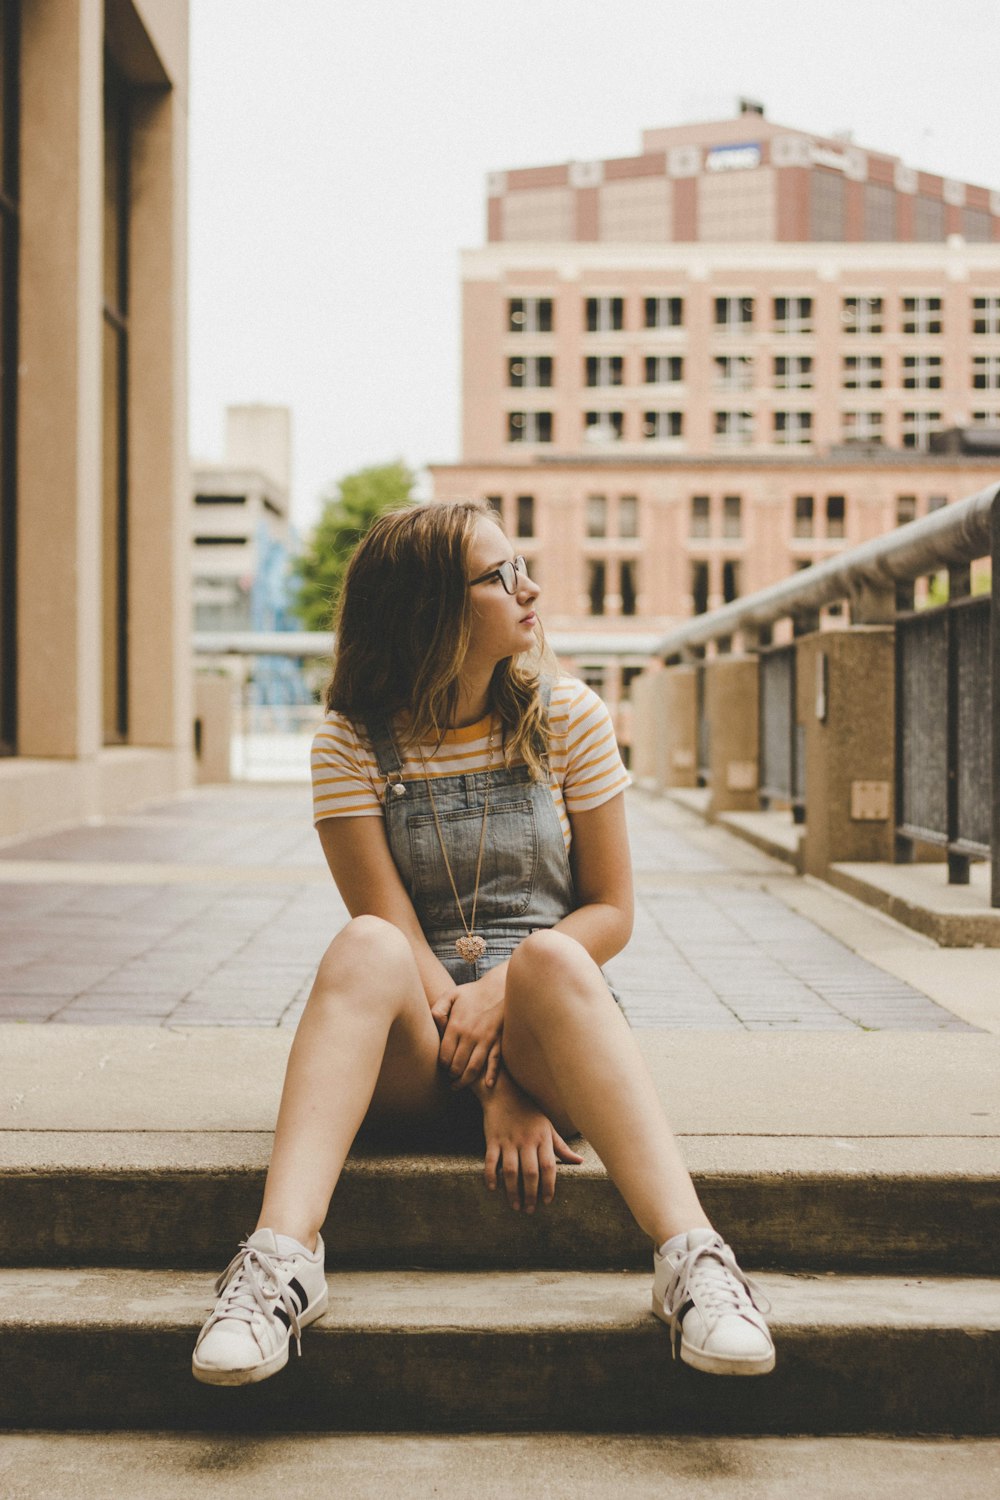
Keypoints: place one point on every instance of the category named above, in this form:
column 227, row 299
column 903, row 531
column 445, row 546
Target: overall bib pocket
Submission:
column 510, row 860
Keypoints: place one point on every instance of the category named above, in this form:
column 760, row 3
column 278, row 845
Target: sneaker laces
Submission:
column 243, row 1290
column 711, row 1278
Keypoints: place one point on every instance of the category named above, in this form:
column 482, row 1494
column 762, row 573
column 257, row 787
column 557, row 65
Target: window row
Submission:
column 791, row 315
column 606, row 515
column 602, row 596
column 737, row 429
column 735, row 372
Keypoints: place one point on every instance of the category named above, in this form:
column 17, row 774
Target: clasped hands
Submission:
column 521, row 1141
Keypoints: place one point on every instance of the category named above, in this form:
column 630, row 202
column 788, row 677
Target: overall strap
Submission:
column 384, row 746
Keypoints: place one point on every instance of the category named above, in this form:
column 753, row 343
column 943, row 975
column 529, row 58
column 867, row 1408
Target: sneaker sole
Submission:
column 719, row 1364
column 209, row 1375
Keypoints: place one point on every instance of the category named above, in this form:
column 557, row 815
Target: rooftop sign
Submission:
column 733, row 158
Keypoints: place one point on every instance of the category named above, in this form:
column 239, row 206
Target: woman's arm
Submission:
column 366, row 876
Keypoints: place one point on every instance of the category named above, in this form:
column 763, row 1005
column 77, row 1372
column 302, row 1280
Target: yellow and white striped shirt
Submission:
column 585, row 765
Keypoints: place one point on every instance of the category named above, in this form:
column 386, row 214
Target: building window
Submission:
column 628, row 515
column 922, row 315
column 664, row 369
column 928, row 219
column 597, row 515
column 732, row 517
column 986, row 372
column 596, row 583
column 628, row 586
column 793, row 427
column 733, row 372
column 115, row 457
column 862, row 315
column 594, row 677
column 662, row 424
column 733, row 312
column 936, row 502
column 879, row 212
column 793, row 315
column 733, row 429
column 604, row 314
column 986, row 315
column 699, row 587
column 861, row 427
column 529, row 427
column 827, row 192
column 804, row 511
column 906, row 509
column 604, row 426
column 836, row 511
column 730, row 580
column 862, row 372
column 629, row 674
column 986, row 418
column 793, row 372
column 918, row 426
column 495, row 503
column 664, row 312
column 603, row 369
column 532, row 371
column 529, row 315
column 525, row 515
column 921, row 372
column 9, row 217
column 701, row 520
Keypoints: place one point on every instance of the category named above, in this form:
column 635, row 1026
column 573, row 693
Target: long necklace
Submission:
column 471, row 946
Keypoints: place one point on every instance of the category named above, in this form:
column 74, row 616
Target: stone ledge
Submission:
column 955, row 916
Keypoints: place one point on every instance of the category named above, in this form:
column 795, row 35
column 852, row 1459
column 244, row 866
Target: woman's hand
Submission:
column 523, row 1143
column 470, row 1021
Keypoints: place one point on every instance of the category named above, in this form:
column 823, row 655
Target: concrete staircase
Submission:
column 450, row 1313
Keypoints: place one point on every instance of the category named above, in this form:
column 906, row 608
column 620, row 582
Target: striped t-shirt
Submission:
column 585, row 766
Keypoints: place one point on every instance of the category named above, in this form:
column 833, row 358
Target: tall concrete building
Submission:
column 95, row 665
column 688, row 372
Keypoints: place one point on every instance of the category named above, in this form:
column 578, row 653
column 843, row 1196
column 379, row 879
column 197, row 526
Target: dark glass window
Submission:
column 114, row 529
column 604, row 314
column 732, row 521
column 605, row 425
column 804, row 509
column 664, row 312
column 597, row 515
column 700, row 515
column 699, row 587
column 596, row 586
column 525, row 515
column 532, row 371
column 604, row 369
column 730, row 580
column 906, row 509
column 836, row 513
column 529, row 315
column 629, row 588
column 628, row 515
column 9, row 198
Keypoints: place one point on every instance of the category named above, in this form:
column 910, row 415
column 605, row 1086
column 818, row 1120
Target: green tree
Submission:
column 347, row 513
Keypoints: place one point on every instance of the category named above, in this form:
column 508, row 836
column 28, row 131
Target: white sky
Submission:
column 339, row 150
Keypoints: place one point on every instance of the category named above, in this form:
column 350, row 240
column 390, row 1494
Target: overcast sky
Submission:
column 339, row 151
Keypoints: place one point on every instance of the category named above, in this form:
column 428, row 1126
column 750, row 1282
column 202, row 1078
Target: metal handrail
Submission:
column 949, row 537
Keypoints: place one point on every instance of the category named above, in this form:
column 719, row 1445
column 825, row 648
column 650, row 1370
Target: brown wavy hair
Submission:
column 402, row 627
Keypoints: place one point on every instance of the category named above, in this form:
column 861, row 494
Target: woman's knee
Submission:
column 550, row 966
column 370, row 949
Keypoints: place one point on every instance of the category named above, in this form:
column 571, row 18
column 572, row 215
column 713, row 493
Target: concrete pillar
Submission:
column 643, row 730
column 677, row 719
column 59, row 384
column 160, row 677
column 213, row 726
column 845, row 693
column 731, row 702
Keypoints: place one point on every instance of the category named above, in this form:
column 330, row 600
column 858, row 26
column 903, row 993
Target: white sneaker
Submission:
column 700, row 1291
column 271, row 1288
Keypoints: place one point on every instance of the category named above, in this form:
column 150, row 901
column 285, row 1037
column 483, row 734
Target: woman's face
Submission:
column 502, row 624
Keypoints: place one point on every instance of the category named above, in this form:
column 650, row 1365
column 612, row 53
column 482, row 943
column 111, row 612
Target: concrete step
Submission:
column 426, row 1351
column 182, row 1199
column 363, row 1466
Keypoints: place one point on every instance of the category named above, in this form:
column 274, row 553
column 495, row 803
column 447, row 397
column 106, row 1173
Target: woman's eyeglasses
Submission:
column 507, row 573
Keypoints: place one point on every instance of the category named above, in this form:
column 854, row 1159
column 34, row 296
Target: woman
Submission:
column 472, row 816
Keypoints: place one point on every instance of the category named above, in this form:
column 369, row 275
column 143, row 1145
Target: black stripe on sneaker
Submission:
column 682, row 1312
column 295, row 1286
column 279, row 1312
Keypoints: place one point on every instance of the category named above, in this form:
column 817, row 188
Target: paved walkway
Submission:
column 213, row 909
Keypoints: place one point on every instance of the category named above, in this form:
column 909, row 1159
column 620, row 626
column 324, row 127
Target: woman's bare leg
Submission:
column 566, row 1043
column 366, row 1042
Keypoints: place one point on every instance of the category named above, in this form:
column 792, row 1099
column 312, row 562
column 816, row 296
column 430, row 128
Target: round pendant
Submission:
column 471, row 947
column 398, row 789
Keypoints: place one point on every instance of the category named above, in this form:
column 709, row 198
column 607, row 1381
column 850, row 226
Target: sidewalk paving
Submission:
column 214, row 908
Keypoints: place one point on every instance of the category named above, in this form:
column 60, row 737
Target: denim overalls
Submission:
column 525, row 881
